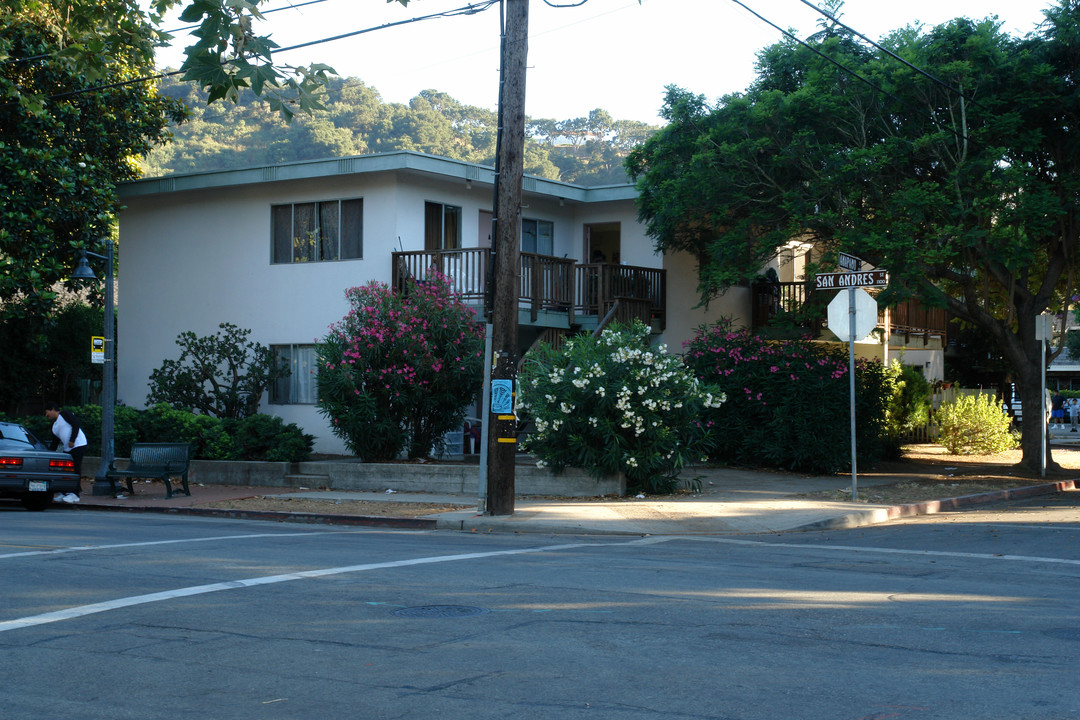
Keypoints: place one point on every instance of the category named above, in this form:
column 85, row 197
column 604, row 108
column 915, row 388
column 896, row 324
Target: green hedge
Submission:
column 788, row 402
column 257, row 437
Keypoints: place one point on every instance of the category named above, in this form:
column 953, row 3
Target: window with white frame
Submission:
column 317, row 231
column 298, row 388
column 538, row 236
column 442, row 226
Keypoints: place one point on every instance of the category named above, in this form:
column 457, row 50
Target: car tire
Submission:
column 36, row 501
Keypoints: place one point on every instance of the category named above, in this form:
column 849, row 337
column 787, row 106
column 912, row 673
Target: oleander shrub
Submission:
column 974, row 425
column 401, row 369
column 613, row 404
column 788, row 402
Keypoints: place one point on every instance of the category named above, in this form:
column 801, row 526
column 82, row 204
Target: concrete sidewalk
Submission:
column 731, row 501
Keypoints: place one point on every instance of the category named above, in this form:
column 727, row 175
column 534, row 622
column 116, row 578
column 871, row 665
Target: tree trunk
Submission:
column 1028, row 387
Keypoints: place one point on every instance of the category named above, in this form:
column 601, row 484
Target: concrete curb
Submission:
column 929, row 507
column 399, row 523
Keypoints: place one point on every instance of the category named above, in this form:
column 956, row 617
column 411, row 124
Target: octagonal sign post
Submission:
column 852, row 315
column 841, row 308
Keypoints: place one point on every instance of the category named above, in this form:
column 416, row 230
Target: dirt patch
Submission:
column 928, row 472
column 336, row 507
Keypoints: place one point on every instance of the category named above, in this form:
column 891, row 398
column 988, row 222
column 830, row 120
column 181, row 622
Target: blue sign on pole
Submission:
column 502, row 397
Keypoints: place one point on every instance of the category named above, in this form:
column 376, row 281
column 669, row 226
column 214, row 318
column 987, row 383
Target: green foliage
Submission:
column 62, row 151
column 907, row 404
column 968, row 204
column 266, row 437
column 45, row 356
column 355, row 121
column 401, row 369
column 788, row 401
column 256, row 437
column 974, row 424
column 613, row 404
column 224, row 375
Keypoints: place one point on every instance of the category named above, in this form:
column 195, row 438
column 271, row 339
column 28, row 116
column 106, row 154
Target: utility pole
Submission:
column 502, row 445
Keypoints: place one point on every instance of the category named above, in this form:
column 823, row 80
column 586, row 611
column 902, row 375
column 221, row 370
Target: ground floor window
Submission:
column 299, row 387
column 442, row 226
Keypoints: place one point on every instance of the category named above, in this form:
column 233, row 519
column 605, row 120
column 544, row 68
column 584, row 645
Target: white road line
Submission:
column 86, row 548
column 886, row 551
column 83, row 610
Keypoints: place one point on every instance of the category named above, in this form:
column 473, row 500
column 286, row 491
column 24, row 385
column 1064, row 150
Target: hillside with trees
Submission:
column 356, row 121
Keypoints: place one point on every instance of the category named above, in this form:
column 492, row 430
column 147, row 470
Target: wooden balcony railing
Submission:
column 600, row 285
column 770, row 299
column 547, row 282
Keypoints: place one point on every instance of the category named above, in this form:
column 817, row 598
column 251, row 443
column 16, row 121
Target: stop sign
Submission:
column 840, row 317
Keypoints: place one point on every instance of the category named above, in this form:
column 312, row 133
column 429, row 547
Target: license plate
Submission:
column 37, row 485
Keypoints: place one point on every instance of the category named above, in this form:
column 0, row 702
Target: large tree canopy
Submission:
column 958, row 172
column 62, row 152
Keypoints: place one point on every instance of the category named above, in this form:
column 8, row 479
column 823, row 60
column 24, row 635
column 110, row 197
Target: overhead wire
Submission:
column 959, row 134
column 470, row 9
column 894, row 56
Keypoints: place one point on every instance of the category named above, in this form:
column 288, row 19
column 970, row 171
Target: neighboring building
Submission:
column 273, row 249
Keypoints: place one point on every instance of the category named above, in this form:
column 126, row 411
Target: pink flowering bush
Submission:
column 614, row 404
column 788, row 401
column 401, row 369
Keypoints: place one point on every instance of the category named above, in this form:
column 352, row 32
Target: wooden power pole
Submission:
column 502, row 445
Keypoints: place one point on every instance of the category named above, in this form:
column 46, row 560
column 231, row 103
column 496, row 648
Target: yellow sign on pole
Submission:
column 97, row 350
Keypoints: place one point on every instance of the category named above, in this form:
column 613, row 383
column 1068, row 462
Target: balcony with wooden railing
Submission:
column 770, row 300
column 548, row 284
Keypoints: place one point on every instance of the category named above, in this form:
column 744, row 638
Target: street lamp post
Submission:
column 102, row 484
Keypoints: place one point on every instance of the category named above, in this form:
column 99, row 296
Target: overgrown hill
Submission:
column 223, row 136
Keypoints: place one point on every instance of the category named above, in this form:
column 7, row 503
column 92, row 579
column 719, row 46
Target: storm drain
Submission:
column 441, row 611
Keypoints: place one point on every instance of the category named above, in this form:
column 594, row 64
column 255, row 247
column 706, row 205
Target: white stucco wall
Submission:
column 193, row 259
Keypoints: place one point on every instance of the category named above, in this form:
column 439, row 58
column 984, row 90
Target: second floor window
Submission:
column 442, row 226
column 318, row 231
column 538, row 236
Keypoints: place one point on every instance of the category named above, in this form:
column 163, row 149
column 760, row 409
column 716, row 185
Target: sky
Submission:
column 617, row 55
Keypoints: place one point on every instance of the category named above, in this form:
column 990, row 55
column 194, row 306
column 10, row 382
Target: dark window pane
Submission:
column 432, row 226
column 451, row 227
column 545, row 237
column 352, row 229
column 279, row 391
column 328, row 230
column 528, row 236
column 281, row 219
column 304, row 232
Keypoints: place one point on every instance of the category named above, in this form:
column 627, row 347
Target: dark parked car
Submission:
column 30, row 471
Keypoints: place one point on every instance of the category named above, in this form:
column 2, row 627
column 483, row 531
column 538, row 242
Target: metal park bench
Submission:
column 156, row 461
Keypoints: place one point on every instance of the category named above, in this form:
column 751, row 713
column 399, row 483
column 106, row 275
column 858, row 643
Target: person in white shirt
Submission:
column 68, row 435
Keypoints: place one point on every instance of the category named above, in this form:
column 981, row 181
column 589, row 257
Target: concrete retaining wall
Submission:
column 443, row 478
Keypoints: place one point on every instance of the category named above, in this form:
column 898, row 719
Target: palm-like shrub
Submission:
column 401, row 369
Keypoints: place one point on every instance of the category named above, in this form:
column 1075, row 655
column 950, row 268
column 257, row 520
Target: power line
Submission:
column 959, row 135
column 470, row 9
column 893, row 55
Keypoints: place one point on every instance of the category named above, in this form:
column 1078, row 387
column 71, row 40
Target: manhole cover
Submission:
column 441, row 611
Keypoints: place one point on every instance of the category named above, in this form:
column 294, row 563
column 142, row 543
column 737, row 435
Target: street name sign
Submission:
column 850, row 263
column 838, row 280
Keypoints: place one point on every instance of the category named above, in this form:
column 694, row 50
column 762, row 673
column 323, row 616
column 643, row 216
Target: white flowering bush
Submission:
column 613, row 404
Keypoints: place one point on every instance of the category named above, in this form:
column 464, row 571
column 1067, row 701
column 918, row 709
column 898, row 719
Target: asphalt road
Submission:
column 969, row 615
